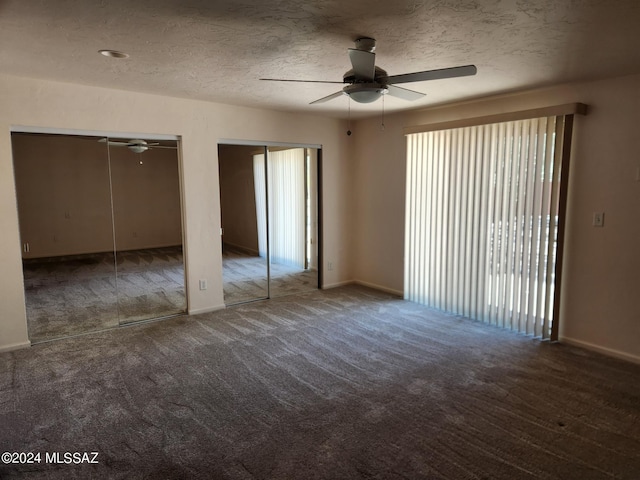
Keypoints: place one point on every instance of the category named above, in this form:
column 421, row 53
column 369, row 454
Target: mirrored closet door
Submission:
column 269, row 206
column 147, row 219
column 101, row 232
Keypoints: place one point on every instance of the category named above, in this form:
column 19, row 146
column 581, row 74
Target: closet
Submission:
column 270, row 220
column 101, row 231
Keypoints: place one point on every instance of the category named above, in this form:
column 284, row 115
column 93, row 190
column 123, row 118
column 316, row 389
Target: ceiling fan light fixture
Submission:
column 365, row 93
column 113, row 54
column 137, row 146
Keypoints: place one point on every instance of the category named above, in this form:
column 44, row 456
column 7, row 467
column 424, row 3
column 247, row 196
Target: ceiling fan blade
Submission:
column 404, row 93
column 111, row 143
column 300, row 81
column 433, row 74
column 328, row 97
column 364, row 64
column 152, row 146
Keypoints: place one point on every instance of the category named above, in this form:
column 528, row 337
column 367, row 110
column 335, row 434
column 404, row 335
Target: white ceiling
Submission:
column 217, row 50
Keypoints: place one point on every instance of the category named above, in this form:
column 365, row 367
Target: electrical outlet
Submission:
column 330, row 266
column 598, row 219
column 203, row 284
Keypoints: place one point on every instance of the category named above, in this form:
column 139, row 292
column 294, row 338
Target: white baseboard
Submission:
column 337, row 284
column 364, row 284
column 206, row 310
column 381, row 288
column 15, row 346
column 604, row 350
column 247, row 250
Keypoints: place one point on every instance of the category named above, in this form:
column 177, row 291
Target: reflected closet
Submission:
column 269, row 213
column 101, row 231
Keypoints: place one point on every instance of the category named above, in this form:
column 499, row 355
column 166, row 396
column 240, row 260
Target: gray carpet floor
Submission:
column 78, row 294
column 347, row 383
column 245, row 278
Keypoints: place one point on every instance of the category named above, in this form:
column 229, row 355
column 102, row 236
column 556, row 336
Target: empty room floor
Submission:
column 341, row 383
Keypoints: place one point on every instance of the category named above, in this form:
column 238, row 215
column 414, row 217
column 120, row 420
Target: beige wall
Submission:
column 363, row 184
column 237, row 196
column 146, row 198
column 600, row 307
column 63, row 193
column 36, row 103
column 64, row 198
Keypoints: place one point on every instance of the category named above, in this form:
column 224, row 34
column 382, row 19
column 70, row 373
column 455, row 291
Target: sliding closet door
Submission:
column 64, row 208
column 269, row 211
column 244, row 223
column 147, row 217
column 292, row 220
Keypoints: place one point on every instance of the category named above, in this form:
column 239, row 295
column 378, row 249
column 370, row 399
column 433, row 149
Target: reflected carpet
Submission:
column 83, row 293
column 245, row 278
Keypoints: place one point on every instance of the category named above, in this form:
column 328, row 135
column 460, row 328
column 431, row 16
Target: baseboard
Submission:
column 15, row 346
column 604, row 350
column 364, row 284
column 206, row 310
column 392, row 291
column 240, row 248
column 326, row 286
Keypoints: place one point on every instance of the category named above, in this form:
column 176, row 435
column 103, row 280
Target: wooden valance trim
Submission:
column 566, row 109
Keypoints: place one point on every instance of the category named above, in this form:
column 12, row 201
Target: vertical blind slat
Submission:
column 467, row 223
column 482, row 206
column 484, row 290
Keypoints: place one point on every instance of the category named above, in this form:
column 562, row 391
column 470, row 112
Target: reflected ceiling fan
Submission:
column 136, row 145
column 366, row 82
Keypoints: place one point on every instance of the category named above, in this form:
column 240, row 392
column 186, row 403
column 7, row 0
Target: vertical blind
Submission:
column 260, row 186
column 482, row 211
column 286, row 205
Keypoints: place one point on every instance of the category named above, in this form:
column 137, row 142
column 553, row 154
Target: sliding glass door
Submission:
column 278, row 204
column 101, row 232
column 483, row 224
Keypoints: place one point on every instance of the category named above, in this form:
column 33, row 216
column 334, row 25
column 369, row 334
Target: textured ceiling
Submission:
column 218, row 50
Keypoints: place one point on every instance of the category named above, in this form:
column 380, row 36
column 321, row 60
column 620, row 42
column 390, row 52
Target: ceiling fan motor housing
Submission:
column 380, row 76
column 366, row 43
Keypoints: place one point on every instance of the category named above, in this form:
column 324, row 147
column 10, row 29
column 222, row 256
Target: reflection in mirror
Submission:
column 243, row 214
column 270, row 221
column 293, row 224
column 77, row 200
column 147, row 220
column 64, row 210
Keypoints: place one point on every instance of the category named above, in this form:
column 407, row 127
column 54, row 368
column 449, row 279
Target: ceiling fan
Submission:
column 366, row 82
column 136, row 145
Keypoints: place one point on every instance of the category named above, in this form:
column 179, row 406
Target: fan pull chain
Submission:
column 349, row 124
